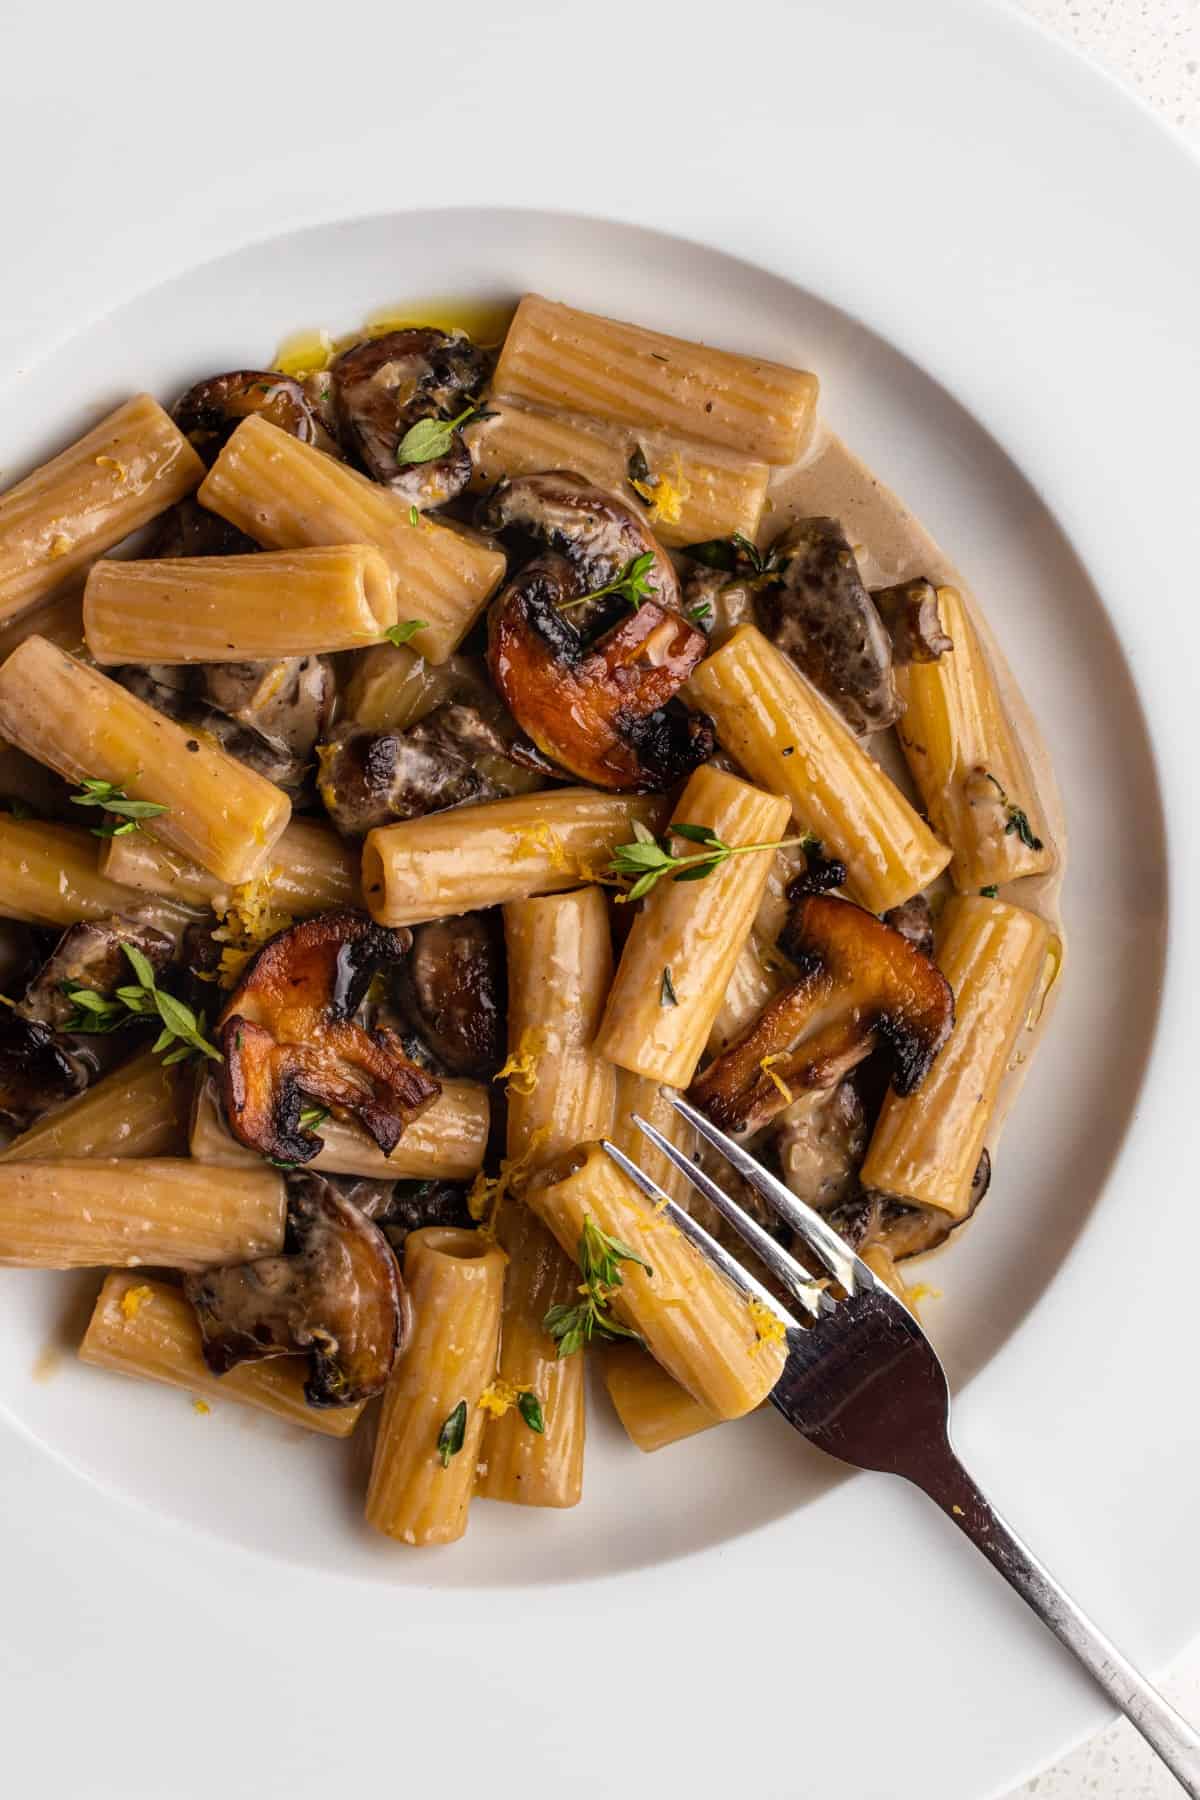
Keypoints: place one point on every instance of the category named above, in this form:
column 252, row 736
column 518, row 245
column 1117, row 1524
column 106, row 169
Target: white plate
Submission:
column 1026, row 330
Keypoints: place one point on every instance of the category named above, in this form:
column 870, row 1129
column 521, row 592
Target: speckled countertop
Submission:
column 1153, row 46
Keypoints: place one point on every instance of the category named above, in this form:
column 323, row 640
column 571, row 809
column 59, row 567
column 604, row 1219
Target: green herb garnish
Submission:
column 990, row 891
column 735, row 555
column 647, row 860
column 414, row 517
column 629, row 585
column 182, row 1033
column 313, row 1117
column 530, row 1409
column 701, row 614
column 666, row 992
column 115, row 800
column 599, row 1257
column 408, row 628
column 1018, row 818
column 454, row 1430
column 430, row 439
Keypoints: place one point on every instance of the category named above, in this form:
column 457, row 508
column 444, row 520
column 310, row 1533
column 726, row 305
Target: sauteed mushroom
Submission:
column 289, row 1034
column 289, row 701
column 411, row 1205
column 386, row 385
column 89, row 955
column 914, row 921
column 451, row 991
column 335, row 1293
column 910, row 613
column 209, row 413
column 369, row 778
column 861, row 985
column 605, row 710
column 902, row 1227
column 594, row 530
column 815, row 607
column 297, row 710
column 820, row 1142
column 37, row 1069
column 189, row 529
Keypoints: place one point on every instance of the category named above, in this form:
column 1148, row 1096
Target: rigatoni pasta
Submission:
column 50, row 875
column 122, row 473
column 104, row 1212
column 925, row 1146
column 502, row 850
column 685, row 941
column 139, row 1110
column 972, row 774
column 147, row 1329
column 190, row 609
column 654, row 1410
column 310, row 869
column 792, row 743
column 558, row 357
column 694, row 1323
column 424, row 1470
column 217, row 811
column 286, row 494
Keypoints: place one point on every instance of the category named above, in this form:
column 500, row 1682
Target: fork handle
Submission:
column 946, row 1481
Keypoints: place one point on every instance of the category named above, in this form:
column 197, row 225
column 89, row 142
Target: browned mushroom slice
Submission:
column 175, row 692
column 605, row 710
column 288, row 702
column 451, row 990
column 211, row 411
column 861, row 985
column 289, row 1034
column 914, row 921
column 820, row 1142
column 89, row 955
column 369, row 778
column 903, row 1227
column 37, row 1069
column 910, row 613
column 386, row 385
column 598, row 534
column 814, row 606
column 189, row 529
column 334, row 1294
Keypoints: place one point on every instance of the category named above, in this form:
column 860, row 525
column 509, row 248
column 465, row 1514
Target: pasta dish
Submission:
column 420, row 756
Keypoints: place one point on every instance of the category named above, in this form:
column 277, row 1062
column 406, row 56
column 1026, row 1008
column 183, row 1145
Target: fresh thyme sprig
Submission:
column 1018, row 818
column 599, row 1257
column 629, row 584
column 451, row 1437
column 182, row 1033
column 430, row 439
column 646, row 861
column 407, row 628
column 113, row 799
column 735, row 555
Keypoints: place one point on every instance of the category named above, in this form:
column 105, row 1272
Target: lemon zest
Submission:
column 133, row 1299
column 666, row 494
column 248, row 920
column 521, row 1066
column 767, row 1323
column 765, row 1063
column 486, row 1192
column 110, row 462
column 60, row 544
column 502, row 1395
column 201, row 1406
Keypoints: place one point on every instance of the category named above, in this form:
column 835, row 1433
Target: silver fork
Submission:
column 864, row 1383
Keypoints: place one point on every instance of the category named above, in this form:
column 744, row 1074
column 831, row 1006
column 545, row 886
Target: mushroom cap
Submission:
column 861, row 985
column 385, row 385
column 210, row 412
column 815, row 608
column 596, row 532
column 451, row 991
column 369, row 778
column 37, row 1069
column 335, row 1294
column 289, row 1034
column 606, row 709
column 910, row 615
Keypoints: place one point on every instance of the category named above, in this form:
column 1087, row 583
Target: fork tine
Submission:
column 695, row 1233
column 847, row 1269
column 798, row 1282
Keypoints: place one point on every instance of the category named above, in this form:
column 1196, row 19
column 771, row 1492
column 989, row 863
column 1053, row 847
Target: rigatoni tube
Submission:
column 691, row 1319
column 206, row 609
column 420, row 1493
column 50, row 875
column 79, row 722
column 638, row 1094
column 517, row 1463
column 789, row 740
column 560, row 1091
column 138, row 1110
column 650, row 1404
column 147, row 1329
column 309, row 870
column 121, row 474
column 446, row 1142
column 169, row 1211
column 690, row 494
column 558, row 357
column 925, row 1147
column 503, row 850
column 685, row 942
column 969, row 768
column 285, row 494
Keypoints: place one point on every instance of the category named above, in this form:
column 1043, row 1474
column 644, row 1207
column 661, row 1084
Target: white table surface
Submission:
column 1152, row 46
